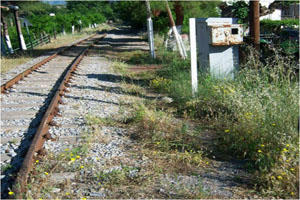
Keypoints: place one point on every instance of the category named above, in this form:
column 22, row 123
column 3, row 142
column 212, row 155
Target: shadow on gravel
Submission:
column 117, row 79
column 115, row 90
column 88, row 99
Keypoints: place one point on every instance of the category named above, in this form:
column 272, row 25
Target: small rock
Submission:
column 97, row 194
column 55, row 190
column 167, row 100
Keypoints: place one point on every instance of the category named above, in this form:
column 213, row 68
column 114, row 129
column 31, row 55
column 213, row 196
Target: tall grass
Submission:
column 256, row 115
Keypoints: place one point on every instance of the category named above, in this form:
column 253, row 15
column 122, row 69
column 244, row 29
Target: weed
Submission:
column 256, row 116
column 5, row 167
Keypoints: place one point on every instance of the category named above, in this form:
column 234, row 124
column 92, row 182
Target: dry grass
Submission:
column 10, row 62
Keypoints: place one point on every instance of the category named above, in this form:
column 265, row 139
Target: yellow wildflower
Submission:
column 283, row 173
column 81, row 167
column 67, row 149
column 292, row 193
column 46, row 173
column 10, row 193
column 78, row 157
column 99, row 183
column 272, row 177
column 273, row 124
column 279, row 177
column 37, row 161
column 67, row 193
column 259, row 151
column 287, row 145
column 73, row 159
column 40, row 199
column 83, row 198
column 157, row 142
column 262, row 145
column 71, row 154
column 227, row 131
column 292, row 169
column 207, row 162
column 284, row 150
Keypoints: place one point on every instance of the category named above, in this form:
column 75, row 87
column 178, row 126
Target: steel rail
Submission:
column 42, row 134
column 25, row 73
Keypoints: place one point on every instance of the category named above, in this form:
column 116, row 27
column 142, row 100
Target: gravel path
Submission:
column 96, row 92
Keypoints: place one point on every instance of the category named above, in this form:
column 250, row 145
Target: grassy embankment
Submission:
column 12, row 61
column 255, row 116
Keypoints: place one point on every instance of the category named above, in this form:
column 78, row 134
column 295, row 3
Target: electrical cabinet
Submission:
column 217, row 41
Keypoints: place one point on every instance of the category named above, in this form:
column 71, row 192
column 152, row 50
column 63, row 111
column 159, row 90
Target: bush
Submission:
column 272, row 26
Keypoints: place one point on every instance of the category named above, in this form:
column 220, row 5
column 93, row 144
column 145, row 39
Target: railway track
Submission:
column 29, row 102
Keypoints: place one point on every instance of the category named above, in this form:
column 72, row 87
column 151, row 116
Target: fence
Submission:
column 44, row 39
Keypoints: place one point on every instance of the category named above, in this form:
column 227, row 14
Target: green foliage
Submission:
column 256, row 115
column 38, row 15
column 272, row 26
column 240, row 10
column 198, row 9
column 132, row 12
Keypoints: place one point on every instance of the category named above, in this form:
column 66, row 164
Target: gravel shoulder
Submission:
column 94, row 153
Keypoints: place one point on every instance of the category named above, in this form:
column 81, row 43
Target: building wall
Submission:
column 276, row 15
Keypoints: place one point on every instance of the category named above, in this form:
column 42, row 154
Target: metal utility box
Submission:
column 217, row 45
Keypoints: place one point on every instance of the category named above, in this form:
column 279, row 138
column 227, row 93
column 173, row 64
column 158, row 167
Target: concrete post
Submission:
column 193, row 46
column 6, row 36
column 73, row 29
column 63, row 30
column 150, row 30
column 19, row 30
column 179, row 41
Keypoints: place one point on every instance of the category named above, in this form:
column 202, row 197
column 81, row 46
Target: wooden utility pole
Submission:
column 6, row 36
column 178, row 38
column 254, row 23
column 150, row 30
column 18, row 26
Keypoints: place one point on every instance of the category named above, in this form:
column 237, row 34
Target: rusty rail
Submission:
column 42, row 133
column 25, row 73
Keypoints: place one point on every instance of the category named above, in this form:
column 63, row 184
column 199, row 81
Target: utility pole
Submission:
column 18, row 26
column 6, row 36
column 178, row 38
column 150, row 30
column 254, row 23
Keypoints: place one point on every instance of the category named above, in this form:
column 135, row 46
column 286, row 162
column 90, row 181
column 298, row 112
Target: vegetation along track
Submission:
column 27, row 109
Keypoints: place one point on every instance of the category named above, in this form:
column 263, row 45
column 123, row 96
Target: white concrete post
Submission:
column 23, row 45
column 193, row 46
column 150, row 30
column 73, row 29
column 8, row 43
column 151, row 37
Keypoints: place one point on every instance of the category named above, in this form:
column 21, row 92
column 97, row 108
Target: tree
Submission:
column 134, row 12
column 240, row 10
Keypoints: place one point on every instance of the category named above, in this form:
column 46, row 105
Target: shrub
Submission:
column 256, row 115
column 272, row 26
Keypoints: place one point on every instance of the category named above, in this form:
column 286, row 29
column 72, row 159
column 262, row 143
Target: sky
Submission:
column 55, row 2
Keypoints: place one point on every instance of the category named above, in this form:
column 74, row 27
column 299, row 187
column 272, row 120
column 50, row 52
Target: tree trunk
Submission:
column 179, row 13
